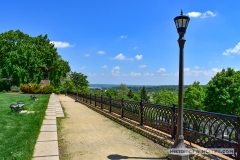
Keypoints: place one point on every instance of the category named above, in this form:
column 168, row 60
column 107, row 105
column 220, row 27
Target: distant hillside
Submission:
column 137, row 88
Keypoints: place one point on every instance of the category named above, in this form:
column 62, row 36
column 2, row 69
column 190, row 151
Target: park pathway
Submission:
column 87, row 135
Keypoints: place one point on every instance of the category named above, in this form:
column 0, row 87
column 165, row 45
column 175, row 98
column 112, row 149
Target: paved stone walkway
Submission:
column 46, row 147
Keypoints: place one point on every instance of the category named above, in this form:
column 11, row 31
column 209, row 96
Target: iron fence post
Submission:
column 95, row 100
column 174, row 127
column 122, row 109
column 141, row 112
column 110, row 105
column 101, row 102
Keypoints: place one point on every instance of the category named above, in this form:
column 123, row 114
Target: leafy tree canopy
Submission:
column 223, row 93
column 144, row 95
column 111, row 92
column 21, row 54
column 130, row 94
column 166, row 97
column 80, row 81
column 194, row 96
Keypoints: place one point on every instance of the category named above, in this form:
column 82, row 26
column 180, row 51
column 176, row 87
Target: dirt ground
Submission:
column 86, row 135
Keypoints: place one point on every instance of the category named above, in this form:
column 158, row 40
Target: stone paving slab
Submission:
column 47, row 136
column 48, row 148
column 49, row 121
column 50, row 117
column 49, row 128
column 50, row 113
column 47, row 158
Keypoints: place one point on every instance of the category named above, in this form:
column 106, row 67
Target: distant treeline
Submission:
column 155, row 89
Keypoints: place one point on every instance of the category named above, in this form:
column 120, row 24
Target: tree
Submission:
column 124, row 90
column 144, row 95
column 21, row 54
column 223, row 93
column 80, row 81
column 111, row 92
column 130, row 94
column 194, row 96
column 166, row 97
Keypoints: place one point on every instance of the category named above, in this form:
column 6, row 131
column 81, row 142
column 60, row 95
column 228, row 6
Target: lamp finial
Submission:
column 181, row 13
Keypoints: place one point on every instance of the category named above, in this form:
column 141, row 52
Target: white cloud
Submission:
column 142, row 66
column 194, row 14
column 86, row 55
column 104, row 66
column 101, row 52
column 116, row 68
column 115, row 73
column 198, row 72
column 208, row 14
column 59, row 44
column 235, row 50
column 196, row 67
column 148, row 74
column 161, row 70
column 201, row 15
column 120, row 57
column 133, row 74
column 138, row 57
column 123, row 37
column 135, row 48
column 82, row 67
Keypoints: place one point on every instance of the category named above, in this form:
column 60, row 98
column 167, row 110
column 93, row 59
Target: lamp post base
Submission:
column 178, row 150
column 76, row 100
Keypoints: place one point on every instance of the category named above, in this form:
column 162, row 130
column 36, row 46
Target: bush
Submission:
column 24, row 88
column 47, row 89
column 4, row 91
column 15, row 89
column 30, row 88
column 33, row 88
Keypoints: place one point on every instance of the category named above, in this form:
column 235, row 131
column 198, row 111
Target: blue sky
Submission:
column 133, row 41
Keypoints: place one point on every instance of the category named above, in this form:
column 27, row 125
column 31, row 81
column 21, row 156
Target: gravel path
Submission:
column 87, row 135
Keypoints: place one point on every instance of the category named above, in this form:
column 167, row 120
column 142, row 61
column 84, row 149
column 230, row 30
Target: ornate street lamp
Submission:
column 181, row 24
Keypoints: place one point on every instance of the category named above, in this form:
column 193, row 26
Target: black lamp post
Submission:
column 181, row 24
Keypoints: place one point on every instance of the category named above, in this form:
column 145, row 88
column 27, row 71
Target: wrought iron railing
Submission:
column 207, row 129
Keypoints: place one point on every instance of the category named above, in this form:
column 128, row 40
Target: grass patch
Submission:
column 19, row 132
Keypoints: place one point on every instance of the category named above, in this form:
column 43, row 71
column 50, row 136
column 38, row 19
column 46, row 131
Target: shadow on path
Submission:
column 119, row 157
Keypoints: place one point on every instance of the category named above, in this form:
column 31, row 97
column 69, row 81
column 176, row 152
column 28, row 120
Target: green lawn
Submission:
column 19, row 132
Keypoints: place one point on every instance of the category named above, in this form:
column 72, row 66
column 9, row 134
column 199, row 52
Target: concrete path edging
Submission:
column 46, row 147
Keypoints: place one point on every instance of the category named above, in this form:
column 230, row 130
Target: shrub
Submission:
column 4, row 91
column 47, row 89
column 30, row 88
column 24, row 88
column 15, row 89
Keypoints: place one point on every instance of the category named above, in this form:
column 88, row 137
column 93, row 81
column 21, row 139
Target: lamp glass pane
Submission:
column 180, row 24
column 184, row 22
